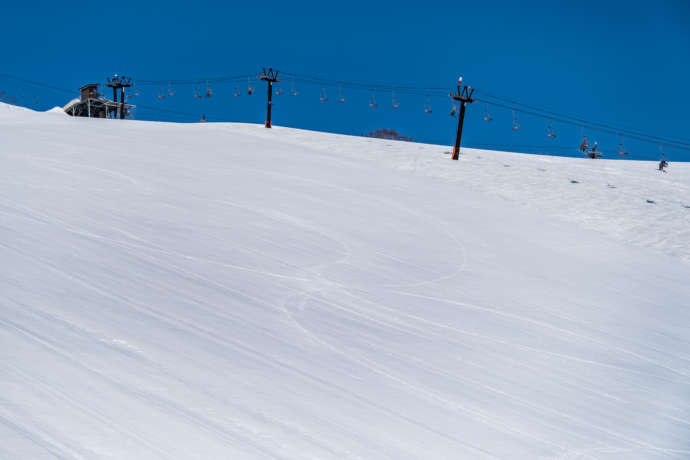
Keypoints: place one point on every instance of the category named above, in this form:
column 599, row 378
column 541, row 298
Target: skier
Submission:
column 584, row 146
column 662, row 165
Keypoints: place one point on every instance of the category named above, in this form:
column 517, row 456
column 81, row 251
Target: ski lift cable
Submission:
column 592, row 127
column 161, row 110
column 406, row 89
column 363, row 84
column 590, row 122
column 610, row 126
column 304, row 78
column 36, row 84
column 367, row 87
column 441, row 92
column 672, row 143
column 197, row 81
column 363, row 87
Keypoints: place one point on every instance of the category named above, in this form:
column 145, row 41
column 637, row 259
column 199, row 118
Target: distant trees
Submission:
column 388, row 134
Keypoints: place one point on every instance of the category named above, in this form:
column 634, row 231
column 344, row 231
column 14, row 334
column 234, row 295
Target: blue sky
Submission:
column 621, row 62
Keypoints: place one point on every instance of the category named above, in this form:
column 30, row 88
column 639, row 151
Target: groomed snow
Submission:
column 224, row 291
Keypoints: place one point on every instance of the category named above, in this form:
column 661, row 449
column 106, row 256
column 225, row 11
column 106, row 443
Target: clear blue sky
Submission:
column 624, row 62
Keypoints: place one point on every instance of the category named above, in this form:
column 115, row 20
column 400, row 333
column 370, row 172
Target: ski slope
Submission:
column 224, row 291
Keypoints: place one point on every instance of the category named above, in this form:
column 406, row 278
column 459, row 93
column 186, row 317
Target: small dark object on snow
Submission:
column 651, row 201
column 663, row 164
column 574, row 181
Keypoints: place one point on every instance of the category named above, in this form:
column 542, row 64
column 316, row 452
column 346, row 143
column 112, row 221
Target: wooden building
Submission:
column 94, row 105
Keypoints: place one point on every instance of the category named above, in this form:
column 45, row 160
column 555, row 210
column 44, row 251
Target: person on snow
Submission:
column 662, row 165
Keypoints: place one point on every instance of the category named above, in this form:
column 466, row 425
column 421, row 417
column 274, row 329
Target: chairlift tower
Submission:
column 464, row 96
column 270, row 76
column 119, row 82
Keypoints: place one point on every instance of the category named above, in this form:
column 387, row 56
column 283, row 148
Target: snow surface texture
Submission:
column 224, row 291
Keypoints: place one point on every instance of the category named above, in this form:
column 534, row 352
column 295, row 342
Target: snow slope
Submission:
column 223, row 291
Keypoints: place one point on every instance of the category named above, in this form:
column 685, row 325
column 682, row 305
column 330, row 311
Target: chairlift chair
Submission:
column 453, row 110
column 161, row 94
column 394, row 100
column 516, row 122
column 279, row 91
column 237, row 92
column 341, row 95
column 323, row 97
column 621, row 148
column 663, row 164
column 427, row 105
column 209, row 92
column 487, row 115
column 550, row 132
column 293, row 91
column 593, row 152
column 250, row 89
column 584, row 145
column 372, row 101
column 197, row 93
column 171, row 93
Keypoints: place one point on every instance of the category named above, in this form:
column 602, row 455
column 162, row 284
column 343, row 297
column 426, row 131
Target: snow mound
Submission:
column 6, row 107
column 57, row 109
